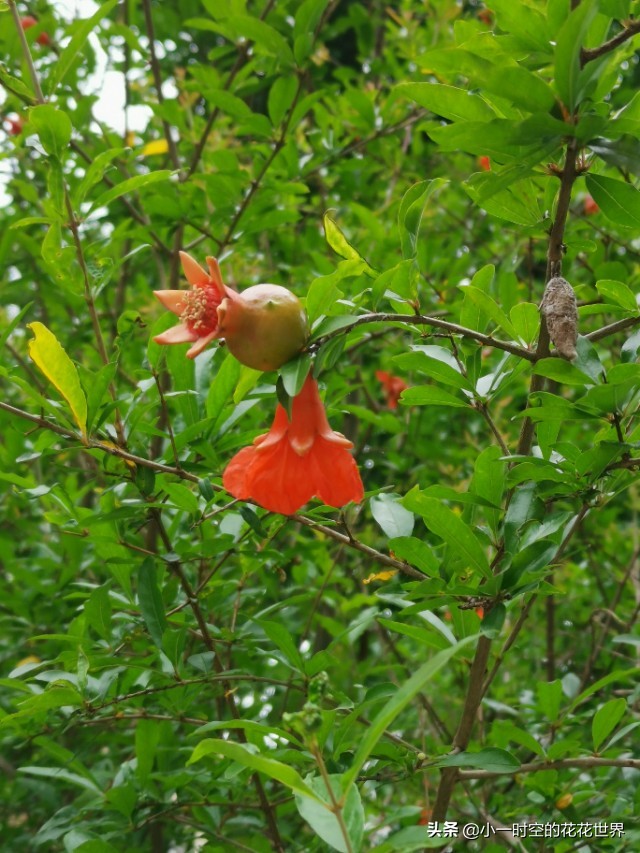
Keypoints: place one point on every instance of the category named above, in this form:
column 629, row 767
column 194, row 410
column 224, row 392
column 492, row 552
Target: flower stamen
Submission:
column 200, row 313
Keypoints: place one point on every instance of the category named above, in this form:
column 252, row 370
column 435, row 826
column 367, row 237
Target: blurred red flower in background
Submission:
column 393, row 385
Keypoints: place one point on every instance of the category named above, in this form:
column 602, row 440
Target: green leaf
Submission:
column 325, row 823
column 222, row 387
column 489, row 477
column 280, row 635
column 414, row 551
column 523, row 88
column 341, row 246
column 436, row 362
column 492, row 759
column 150, row 601
column 522, row 21
column 129, row 186
column 621, row 294
column 606, row 719
column 561, row 371
column 405, row 694
column 281, row 96
column 67, row 57
column 447, row 101
column 410, row 213
column 53, row 128
column 294, row 374
column 525, row 317
column 240, row 753
column 619, row 201
column 97, row 609
column 95, row 172
column 570, row 42
column 490, row 307
column 451, row 528
column 392, row 517
column 550, row 698
column 48, row 354
column 146, row 742
column 430, row 395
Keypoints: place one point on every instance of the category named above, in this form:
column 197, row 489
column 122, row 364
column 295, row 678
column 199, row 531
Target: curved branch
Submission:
column 536, row 766
column 436, row 323
column 631, row 28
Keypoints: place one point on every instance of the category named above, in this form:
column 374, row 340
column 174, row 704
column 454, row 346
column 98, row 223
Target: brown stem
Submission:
column 194, row 603
column 631, row 28
column 26, row 52
column 240, row 60
column 536, row 766
column 554, row 268
column 437, row 323
column 157, row 79
column 336, row 806
column 463, row 734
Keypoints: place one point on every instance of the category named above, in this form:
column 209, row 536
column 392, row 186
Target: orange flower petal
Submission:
column 296, row 461
column 177, row 335
column 194, row 273
column 173, row 300
column 201, row 344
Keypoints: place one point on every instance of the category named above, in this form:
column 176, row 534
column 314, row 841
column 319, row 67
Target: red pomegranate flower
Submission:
column 393, row 386
column 197, row 308
column 296, row 460
column 264, row 326
column 485, row 163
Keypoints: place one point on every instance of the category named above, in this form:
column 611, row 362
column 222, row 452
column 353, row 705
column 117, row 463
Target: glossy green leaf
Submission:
column 447, row 101
column 619, row 201
column 606, row 719
column 129, row 186
column 451, row 528
column 392, row 517
column 150, row 601
column 239, row 753
column 53, row 127
column 570, row 41
column 324, row 822
column 409, row 689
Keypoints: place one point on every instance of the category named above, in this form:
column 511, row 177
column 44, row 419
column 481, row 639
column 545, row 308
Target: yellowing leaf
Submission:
column 158, row 146
column 28, row 659
column 381, row 576
column 55, row 364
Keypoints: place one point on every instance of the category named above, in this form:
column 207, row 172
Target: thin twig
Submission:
column 157, row 79
column 437, row 323
column 631, row 28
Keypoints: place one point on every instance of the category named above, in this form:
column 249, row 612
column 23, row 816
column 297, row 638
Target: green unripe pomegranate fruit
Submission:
column 264, row 326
